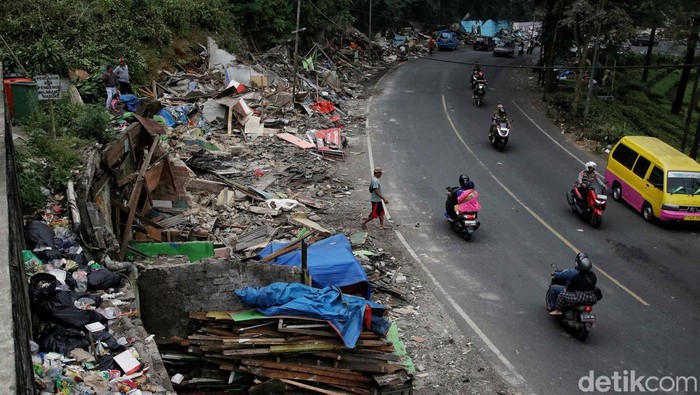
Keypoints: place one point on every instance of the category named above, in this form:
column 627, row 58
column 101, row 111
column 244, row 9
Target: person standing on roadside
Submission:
column 377, row 199
column 110, row 80
column 122, row 71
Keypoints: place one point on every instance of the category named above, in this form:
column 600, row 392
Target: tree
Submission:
column 689, row 57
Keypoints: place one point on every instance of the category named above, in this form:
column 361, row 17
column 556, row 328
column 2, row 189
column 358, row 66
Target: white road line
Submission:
column 546, row 134
column 532, row 212
column 510, row 374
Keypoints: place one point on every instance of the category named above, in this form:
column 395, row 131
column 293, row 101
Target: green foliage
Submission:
column 48, row 160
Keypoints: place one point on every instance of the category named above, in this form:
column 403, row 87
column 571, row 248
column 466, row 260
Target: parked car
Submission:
column 504, row 48
column 643, row 40
column 447, row 40
column 482, row 44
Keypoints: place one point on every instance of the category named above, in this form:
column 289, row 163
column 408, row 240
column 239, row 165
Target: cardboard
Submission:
column 127, row 362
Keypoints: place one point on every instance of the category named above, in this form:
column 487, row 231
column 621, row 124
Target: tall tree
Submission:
column 689, row 57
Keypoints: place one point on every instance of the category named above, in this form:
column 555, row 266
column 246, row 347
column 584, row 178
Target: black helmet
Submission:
column 583, row 263
column 463, row 180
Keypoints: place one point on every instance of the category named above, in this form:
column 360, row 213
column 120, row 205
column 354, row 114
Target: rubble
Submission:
column 218, row 161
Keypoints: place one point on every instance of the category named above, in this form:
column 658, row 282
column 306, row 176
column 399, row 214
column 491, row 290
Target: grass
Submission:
column 639, row 108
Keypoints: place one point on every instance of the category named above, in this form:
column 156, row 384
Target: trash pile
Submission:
column 299, row 338
column 217, row 160
column 84, row 340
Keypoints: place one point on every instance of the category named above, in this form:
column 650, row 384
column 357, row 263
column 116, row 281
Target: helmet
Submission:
column 501, row 109
column 583, row 263
column 463, row 180
column 591, row 165
column 469, row 185
column 480, row 75
column 477, row 65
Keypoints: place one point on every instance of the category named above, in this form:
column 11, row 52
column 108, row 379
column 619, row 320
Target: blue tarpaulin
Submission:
column 345, row 313
column 330, row 262
column 487, row 28
column 130, row 101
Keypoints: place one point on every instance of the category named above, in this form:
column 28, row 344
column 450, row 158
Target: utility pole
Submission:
column 296, row 50
column 591, row 75
column 370, row 30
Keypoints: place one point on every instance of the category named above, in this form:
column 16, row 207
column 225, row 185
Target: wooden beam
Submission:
column 288, row 248
column 310, row 387
column 134, row 198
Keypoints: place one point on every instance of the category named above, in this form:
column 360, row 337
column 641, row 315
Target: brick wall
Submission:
column 169, row 290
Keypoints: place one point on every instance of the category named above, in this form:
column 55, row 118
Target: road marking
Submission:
column 537, row 217
column 511, row 375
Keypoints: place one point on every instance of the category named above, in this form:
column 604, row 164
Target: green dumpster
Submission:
column 25, row 98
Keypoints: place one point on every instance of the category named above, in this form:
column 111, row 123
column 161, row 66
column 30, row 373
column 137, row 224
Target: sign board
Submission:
column 48, row 87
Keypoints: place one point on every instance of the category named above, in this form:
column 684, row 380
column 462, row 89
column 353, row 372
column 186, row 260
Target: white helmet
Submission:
column 590, row 165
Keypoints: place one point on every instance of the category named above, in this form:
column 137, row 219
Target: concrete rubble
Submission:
column 215, row 161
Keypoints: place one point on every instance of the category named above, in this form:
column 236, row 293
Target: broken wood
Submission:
column 134, row 198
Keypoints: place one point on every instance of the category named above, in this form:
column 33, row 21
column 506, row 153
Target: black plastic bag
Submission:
column 59, row 307
column 42, row 285
column 103, row 279
column 49, row 255
column 62, row 340
column 38, row 234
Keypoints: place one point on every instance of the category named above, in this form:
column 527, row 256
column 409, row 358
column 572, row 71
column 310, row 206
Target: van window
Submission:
column 656, row 178
column 641, row 167
column 625, row 156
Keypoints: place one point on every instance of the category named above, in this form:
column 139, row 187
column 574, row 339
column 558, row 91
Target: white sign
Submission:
column 48, row 87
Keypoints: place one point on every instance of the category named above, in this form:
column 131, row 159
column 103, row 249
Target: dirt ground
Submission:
column 446, row 361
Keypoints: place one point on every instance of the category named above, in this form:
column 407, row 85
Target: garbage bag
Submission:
column 167, row 117
column 59, row 307
column 103, row 279
column 130, row 100
column 49, row 254
column 38, row 234
column 80, row 259
column 62, row 340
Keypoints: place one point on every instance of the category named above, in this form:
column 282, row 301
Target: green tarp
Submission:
column 195, row 250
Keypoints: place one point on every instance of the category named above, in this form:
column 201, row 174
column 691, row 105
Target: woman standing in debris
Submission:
column 375, row 188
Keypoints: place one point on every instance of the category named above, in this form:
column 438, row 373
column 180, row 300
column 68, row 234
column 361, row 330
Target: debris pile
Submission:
column 292, row 346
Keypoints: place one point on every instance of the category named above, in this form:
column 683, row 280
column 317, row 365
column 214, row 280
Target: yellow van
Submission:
column 654, row 178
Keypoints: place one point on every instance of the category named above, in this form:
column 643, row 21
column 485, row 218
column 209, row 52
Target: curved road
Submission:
column 425, row 130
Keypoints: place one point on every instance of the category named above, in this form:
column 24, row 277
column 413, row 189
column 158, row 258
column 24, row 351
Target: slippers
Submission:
column 555, row 312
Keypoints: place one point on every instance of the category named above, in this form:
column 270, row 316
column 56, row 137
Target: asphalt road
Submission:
column 425, row 131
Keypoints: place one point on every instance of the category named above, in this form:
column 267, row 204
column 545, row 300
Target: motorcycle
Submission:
column 465, row 224
column 499, row 136
column 577, row 319
column 480, row 93
column 591, row 205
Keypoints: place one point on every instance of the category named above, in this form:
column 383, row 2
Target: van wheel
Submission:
column 647, row 212
column 617, row 192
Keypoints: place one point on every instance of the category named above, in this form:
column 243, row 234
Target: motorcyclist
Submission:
column 480, row 78
column 521, row 48
column 500, row 115
column 587, row 176
column 468, row 199
column 580, row 286
column 454, row 194
column 476, row 68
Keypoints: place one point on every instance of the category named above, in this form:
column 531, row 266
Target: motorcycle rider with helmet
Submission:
column 587, row 177
column 461, row 195
column 500, row 115
column 478, row 78
column 580, row 286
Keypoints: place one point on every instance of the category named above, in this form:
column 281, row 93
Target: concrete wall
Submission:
column 168, row 291
column 16, row 374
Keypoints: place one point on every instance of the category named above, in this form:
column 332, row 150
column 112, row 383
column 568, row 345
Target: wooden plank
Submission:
column 310, row 388
column 247, row 352
column 281, row 374
column 114, row 153
column 134, row 198
column 141, row 217
column 318, row 370
column 290, row 138
column 293, row 348
column 288, row 248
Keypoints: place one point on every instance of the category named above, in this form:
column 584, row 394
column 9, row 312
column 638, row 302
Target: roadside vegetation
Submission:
column 629, row 106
